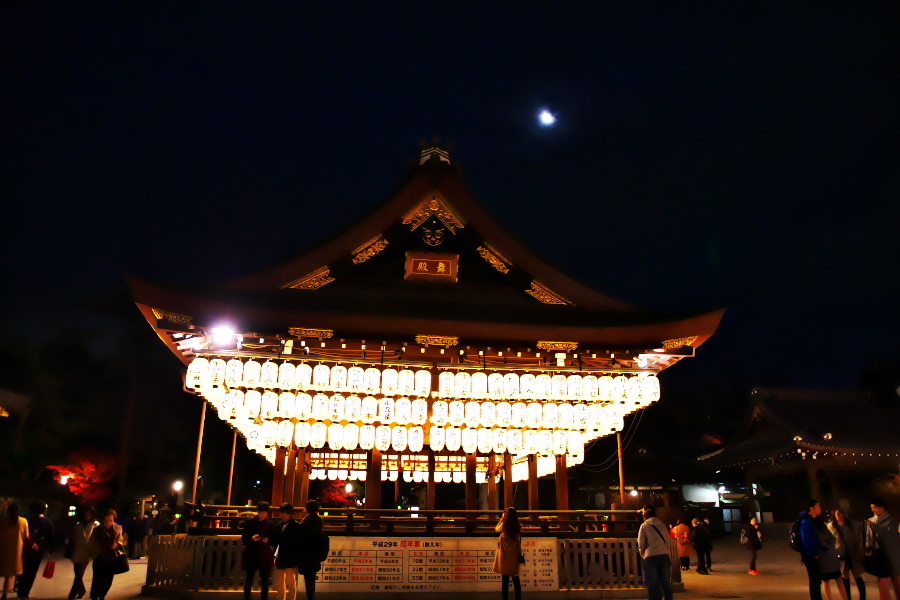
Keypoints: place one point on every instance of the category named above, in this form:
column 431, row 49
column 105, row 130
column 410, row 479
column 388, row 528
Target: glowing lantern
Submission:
column 419, row 412
column 529, row 441
column 338, row 377
column 303, row 408
column 217, row 368
column 452, row 438
column 479, row 385
column 485, row 440
column 469, row 440
column 269, row 405
column 197, row 373
column 551, row 415
column 574, row 386
column 415, row 439
column 503, row 414
column 389, row 380
column 633, row 389
column 407, row 382
column 386, row 411
column 463, row 388
column 495, row 385
column 650, row 388
column 269, row 374
column 518, row 414
column 351, row 436
column 558, row 387
column 269, row 433
column 589, row 387
column 367, row 437
column 575, row 443
column 252, row 372
column 321, row 377
column 499, row 440
column 619, row 388
column 373, row 380
column 488, row 414
column 403, row 411
column 285, row 433
column 352, row 408
column 606, row 388
column 473, row 414
column 234, row 373
column 336, row 406
column 423, row 383
column 566, row 415
column 545, row 441
column 457, row 412
column 336, row 436
column 459, row 476
column 369, row 409
column 303, row 376
column 535, row 415
column 356, row 379
column 252, row 404
column 320, row 409
column 543, row 386
column 235, row 404
column 446, row 384
column 527, row 384
column 383, row 437
column 439, row 413
column 579, row 416
column 398, row 438
column 318, row 433
column 436, row 438
column 286, row 373
column 510, row 385
column 560, row 441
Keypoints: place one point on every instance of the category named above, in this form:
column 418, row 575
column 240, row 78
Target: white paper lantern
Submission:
column 543, row 386
column 560, row 441
column 579, row 416
column 559, row 387
column 527, row 384
column 504, row 414
column 235, row 404
column 534, row 415
column 386, row 411
column 269, row 405
column 575, row 443
column 452, row 438
column 436, row 438
column 398, row 438
column 480, row 477
column 510, row 385
column 269, row 433
column 234, row 373
column 479, row 385
column 485, row 440
column 463, row 385
column 285, row 433
column 473, row 414
column 423, row 383
column 286, row 375
column 446, row 384
column 419, row 411
column 403, row 411
column 303, row 408
column 518, row 414
column 367, row 437
column 252, row 372
column 353, row 409
column 336, row 408
column 566, row 415
column 338, row 380
column 439, row 414
column 318, row 434
column 356, row 379
column 415, row 439
column 320, row 408
column 252, row 404
column 650, row 388
column 529, row 441
column 373, row 380
column 574, row 387
column 619, row 386
column 633, row 389
column 590, row 389
column 488, row 414
column 336, row 436
column 269, row 375
column 407, row 382
column 389, row 380
column 495, row 386
column 303, row 376
column 606, row 388
column 321, row 377
column 456, row 413
column 351, row 436
column 197, row 373
column 383, row 437
column 499, row 442
column 550, row 415
column 369, row 410
column 217, row 368
column 459, row 476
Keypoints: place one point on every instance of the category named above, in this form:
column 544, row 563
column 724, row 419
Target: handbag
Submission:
column 120, row 564
column 50, row 569
column 521, row 558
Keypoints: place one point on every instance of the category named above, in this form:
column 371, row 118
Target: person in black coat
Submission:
column 702, row 541
column 289, row 541
column 40, row 528
column 310, row 539
column 258, row 535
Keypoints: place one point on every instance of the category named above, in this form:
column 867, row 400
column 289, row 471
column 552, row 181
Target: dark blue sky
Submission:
column 723, row 154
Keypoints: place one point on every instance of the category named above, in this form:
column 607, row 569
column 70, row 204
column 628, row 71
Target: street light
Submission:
column 177, row 486
column 64, row 479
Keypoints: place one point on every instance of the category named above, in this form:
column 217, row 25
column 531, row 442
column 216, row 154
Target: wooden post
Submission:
column 430, row 486
column 301, row 479
column 509, row 491
column 471, row 486
column 621, row 469
column 533, row 500
column 231, row 470
column 492, row 496
column 199, row 450
column 373, row 479
column 278, row 479
column 562, row 483
column 290, row 474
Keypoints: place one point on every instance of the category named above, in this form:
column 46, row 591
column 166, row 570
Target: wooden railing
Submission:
column 218, row 520
column 608, row 563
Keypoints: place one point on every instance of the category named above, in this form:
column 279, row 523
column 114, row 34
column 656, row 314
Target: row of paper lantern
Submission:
column 409, row 476
column 390, row 382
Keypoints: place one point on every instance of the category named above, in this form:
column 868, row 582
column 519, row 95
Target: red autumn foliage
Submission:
column 334, row 495
column 88, row 471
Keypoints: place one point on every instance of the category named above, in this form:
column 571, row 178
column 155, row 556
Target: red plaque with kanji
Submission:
column 429, row 266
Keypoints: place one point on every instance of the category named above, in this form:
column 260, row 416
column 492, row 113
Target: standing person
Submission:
column 40, row 530
column 508, row 558
column 751, row 539
column 685, row 548
column 829, row 563
column 810, row 548
column 884, row 529
column 287, row 554
column 106, row 544
column 654, row 548
column 312, row 540
column 136, row 535
column 702, row 542
column 78, row 545
column 258, row 536
column 850, row 548
column 13, row 537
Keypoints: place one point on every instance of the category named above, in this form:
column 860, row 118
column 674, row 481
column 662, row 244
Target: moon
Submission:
column 546, row 118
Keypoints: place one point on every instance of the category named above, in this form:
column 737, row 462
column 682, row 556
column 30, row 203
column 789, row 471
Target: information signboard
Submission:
column 431, row 564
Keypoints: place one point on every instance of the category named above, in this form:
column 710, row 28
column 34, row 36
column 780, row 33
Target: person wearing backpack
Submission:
column 654, row 548
column 313, row 544
column 750, row 538
column 810, row 548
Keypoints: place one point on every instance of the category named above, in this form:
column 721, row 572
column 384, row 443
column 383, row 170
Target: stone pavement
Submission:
column 783, row 577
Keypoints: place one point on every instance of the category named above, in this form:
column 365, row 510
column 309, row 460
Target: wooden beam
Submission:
column 301, row 478
column 278, row 479
column 533, row 500
column 471, row 486
column 493, row 499
column 562, row 483
column 290, row 474
column 373, row 479
column 430, row 488
column 509, row 491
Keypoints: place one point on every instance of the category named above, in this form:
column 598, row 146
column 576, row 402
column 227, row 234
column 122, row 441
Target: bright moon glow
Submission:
column 546, row 118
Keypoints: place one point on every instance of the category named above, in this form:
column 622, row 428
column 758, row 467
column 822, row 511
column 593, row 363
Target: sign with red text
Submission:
column 431, row 564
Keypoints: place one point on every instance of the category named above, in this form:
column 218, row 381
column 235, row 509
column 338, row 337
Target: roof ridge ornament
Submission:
column 369, row 249
column 545, row 295
column 433, row 204
column 432, row 150
column 172, row 316
column 311, row 281
column 494, row 258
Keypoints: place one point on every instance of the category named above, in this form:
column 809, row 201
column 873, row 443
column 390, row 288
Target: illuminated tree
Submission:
column 87, row 472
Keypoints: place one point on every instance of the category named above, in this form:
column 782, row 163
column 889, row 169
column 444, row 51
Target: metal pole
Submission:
column 199, row 450
column 231, row 470
column 621, row 470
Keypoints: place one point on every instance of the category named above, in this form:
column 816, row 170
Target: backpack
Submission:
column 796, row 542
column 744, row 537
column 322, row 548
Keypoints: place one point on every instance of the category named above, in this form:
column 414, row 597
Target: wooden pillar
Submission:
column 373, row 479
column 471, row 486
column 231, row 469
column 301, row 478
column 562, row 483
column 430, row 486
column 199, row 451
column 509, row 491
column 492, row 496
column 290, row 474
column 620, row 453
column 278, row 479
column 533, row 501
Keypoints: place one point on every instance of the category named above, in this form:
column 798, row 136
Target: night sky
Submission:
column 705, row 155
